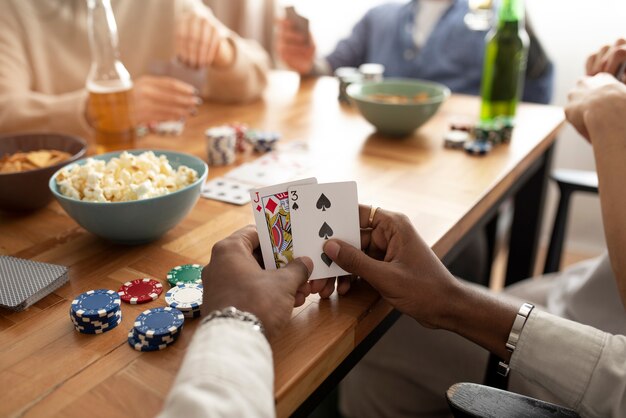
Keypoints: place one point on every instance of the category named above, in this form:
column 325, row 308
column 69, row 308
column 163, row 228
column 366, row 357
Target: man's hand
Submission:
column 398, row 263
column 235, row 278
column 294, row 48
column 200, row 44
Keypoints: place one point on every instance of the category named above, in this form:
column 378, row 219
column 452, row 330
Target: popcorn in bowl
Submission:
column 124, row 178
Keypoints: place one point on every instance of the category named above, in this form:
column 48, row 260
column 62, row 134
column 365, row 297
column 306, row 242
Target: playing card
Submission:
column 226, row 190
column 272, row 168
column 301, row 23
column 270, row 206
column 319, row 212
column 24, row 282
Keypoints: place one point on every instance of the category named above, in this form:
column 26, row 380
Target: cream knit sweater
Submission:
column 45, row 58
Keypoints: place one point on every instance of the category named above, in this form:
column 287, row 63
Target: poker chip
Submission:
column 140, row 291
column 241, row 143
column 96, row 311
column 171, row 127
column 98, row 330
column 96, row 304
column 185, row 297
column 221, row 145
column 140, row 346
column 159, row 322
column 263, row 141
column 456, row 139
column 478, row 147
column 187, row 273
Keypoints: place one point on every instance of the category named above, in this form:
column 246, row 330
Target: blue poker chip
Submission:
column 137, row 345
column 158, row 322
column 478, row 147
column 97, row 330
column 155, row 340
column 95, row 304
column 96, row 324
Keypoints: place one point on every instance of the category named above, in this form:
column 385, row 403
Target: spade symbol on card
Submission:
column 326, row 231
column 326, row 259
column 323, row 203
column 295, row 206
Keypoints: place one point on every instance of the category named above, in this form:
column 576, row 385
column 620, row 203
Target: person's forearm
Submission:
column 607, row 129
column 481, row 318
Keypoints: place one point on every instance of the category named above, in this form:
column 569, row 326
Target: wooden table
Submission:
column 46, row 368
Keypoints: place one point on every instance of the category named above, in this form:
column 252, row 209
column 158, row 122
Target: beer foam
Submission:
column 109, row 86
column 124, row 178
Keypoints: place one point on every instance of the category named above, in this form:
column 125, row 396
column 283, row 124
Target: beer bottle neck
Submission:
column 511, row 11
column 103, row 41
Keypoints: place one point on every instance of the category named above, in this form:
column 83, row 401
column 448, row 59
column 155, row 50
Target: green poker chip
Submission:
column 187, row 273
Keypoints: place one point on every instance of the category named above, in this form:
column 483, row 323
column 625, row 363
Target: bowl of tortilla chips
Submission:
column 26, row 163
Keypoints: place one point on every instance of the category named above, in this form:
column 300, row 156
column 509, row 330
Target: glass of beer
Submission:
column 111, row 109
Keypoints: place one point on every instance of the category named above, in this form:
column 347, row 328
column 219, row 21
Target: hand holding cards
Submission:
column 295, row 219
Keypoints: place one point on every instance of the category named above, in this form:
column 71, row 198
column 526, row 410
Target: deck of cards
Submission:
column 295, row 219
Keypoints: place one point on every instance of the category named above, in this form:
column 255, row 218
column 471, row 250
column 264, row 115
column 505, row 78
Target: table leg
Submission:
column 526, row 226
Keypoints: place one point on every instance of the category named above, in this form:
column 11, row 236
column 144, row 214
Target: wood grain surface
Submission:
column 48, row 369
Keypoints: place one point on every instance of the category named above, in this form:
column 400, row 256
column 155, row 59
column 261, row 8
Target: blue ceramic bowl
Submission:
column 398, row 119
column 139, row 221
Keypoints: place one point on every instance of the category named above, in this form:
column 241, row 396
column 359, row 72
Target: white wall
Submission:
column 569, row 30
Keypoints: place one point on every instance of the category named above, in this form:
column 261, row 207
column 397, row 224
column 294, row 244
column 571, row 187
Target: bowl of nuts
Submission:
column 26, row 163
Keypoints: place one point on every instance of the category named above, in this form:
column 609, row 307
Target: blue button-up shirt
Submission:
column 452, row 55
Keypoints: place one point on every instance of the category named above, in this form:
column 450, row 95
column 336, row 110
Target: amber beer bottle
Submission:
column 109, row 84
column 504, row 66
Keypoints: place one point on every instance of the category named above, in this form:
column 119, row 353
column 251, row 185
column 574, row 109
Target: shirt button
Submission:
column 409, row 54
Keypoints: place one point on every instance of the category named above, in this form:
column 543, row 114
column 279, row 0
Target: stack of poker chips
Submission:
column 346, row 76
column 221, row 145
column 96, row 311
column 156, row 329
column 186, row 273
column 241, row 144
column 479, row 139
column 140, row 291
column 187, row 298
column 263, row 141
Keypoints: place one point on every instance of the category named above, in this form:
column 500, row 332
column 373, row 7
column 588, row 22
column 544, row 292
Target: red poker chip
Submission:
column 140, row 291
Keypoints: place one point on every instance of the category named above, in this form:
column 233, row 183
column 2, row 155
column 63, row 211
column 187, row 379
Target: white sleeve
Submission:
column 581, row 365
column 227, row 372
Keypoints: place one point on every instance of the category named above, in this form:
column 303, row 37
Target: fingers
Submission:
column 328, row 289
column 352, row 259
column 343, row 284
column 248, row 237
column 301, row 294
column 318, row 285
column 163, row 98
column 197, row 41
column 295, row 274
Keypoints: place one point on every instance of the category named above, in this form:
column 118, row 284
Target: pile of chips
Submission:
column 186, row 273
column 241, row 144
column 156, row 329
column 140, row 291
column 221, row 142
column 96, row 311
column 187, row 298
column 263, row 141
column 479, row 139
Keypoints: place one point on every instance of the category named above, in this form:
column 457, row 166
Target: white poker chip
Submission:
column 185, row 297
column 456, row 139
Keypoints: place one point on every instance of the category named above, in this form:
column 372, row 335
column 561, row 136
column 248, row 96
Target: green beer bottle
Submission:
column 504, row 67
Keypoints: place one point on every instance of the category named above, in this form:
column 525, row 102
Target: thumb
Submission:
column 353, row 260
column 296, row 273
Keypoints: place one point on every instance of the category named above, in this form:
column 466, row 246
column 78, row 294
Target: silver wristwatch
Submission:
column 233, row 313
